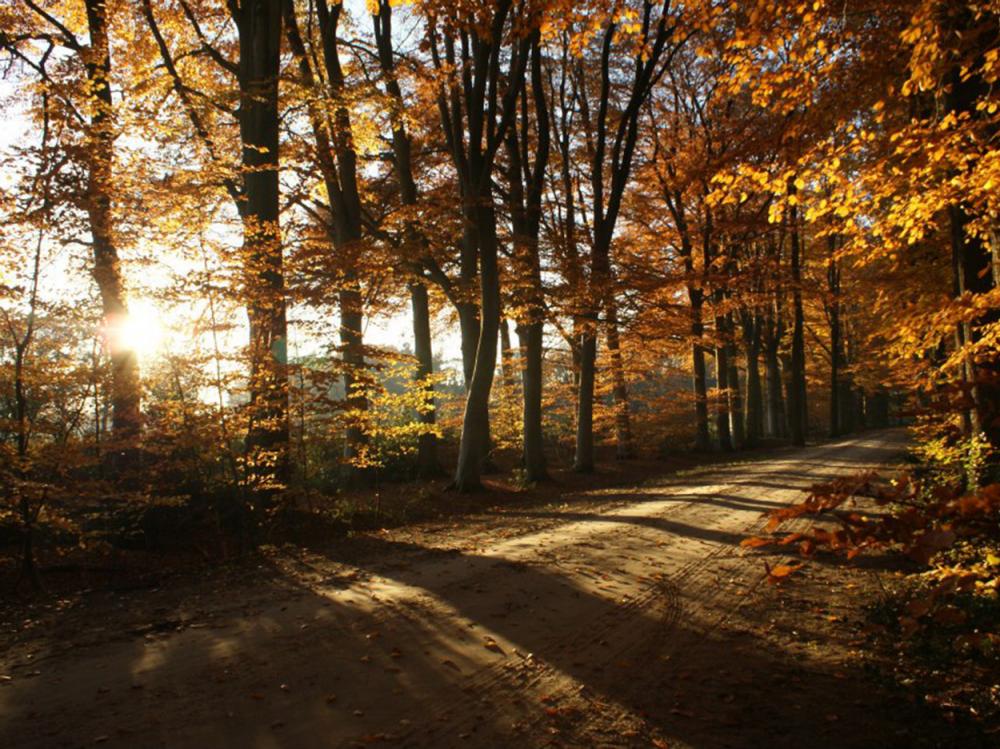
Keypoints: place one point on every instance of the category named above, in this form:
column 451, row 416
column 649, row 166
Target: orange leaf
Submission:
column 781, row 571
column 792, row 538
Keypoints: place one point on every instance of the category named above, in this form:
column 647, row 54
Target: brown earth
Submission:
column 618, row 617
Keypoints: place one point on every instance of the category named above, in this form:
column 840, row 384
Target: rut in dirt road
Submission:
column 544, row 638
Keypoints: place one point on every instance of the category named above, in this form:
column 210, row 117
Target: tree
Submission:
column 475, row 116
column 650, row 44
column 526, row 179
column 39, row 38
column 254, row 191
column 419, row 252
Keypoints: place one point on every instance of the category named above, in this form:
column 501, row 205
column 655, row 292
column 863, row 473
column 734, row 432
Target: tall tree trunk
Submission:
column 352, row 344
column 836, row 358
column 723, row 435
column 859, row 417
column 583, row 460
column 696, row 297
column 972, row 262
column 775, row 422
column 776, row 417
column 736, row 423
column 475, row 422
column 526, row 177
column 259, row 26
column 427, row 458
column 475, row 119
column 345, row 204
column 701, row 440
column 624, row 449
column 797, row 411
column 125, row 391
column 611, row 146
column 508, row 364
column 755, row 395
column 530, row 338
column 469, row 329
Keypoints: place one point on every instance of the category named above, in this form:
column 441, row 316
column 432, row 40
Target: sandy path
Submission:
column 546, row 637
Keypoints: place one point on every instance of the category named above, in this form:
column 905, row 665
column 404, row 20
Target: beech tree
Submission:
column 467, row 52
column 648, row 39
column 253, row 188
column 71, row 65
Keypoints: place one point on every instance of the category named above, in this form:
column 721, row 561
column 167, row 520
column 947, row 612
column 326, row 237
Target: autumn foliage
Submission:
column 257, row 253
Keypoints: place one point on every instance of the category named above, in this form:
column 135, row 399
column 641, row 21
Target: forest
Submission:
column 310, row 309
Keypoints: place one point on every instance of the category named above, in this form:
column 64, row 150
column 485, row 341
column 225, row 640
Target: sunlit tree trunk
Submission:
column 125, row 392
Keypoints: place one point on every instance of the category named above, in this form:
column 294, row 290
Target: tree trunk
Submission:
column 259, row 26
column 352, row 344
column 736, row 424
column 473, row 450
column 722, row 432
column 469, row 328
column 125, row 390
column 859, row 418
column 833, row 313
column 775, row 422
column 775, row 395
column 879, row 410
column 797, row 376
column 427, row 458
column 507, row 355
column 526, row 177
column 530, row 337
column 583, row 461
column 624, row 449
column 696, row 296
column 755, row 397
column 701, row 440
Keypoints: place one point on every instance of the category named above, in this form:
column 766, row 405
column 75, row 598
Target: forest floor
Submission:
column 613, row 617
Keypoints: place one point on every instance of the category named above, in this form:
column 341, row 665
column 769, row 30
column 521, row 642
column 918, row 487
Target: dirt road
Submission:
column 628, row 618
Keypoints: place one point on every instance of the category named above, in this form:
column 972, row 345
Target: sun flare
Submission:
column 142, row 331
